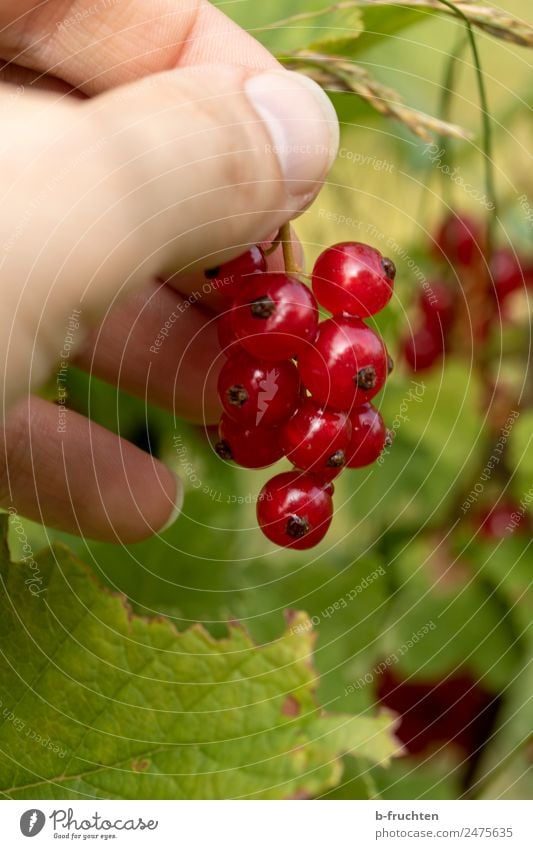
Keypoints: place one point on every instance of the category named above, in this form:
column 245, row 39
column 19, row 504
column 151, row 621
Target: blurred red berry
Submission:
column 502, row 520
column 457, row 710
column 423, row 348
column 460, row 239
column 438, row 305
column 507, row 274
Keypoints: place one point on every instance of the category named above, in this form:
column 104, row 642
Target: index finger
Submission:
column 95, row 46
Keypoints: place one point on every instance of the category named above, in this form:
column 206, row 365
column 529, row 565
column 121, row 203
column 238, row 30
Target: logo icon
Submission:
column 269, row 388
column 32, row 822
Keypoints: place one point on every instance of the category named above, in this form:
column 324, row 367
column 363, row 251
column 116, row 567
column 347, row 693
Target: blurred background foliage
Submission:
column 213, row 564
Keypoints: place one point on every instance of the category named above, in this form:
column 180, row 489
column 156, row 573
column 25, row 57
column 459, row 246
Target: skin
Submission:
column 105, row 213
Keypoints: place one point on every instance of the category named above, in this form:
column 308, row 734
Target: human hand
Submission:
column 139, row 140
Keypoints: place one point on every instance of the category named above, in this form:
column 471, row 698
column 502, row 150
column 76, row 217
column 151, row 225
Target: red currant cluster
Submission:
column 301, row 388
column 469, row 296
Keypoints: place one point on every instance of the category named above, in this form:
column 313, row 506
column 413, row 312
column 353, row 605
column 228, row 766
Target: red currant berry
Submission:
column 328, row 486
column 275, row 316
column 503, row 519
column 295, row 510
column 250, row 447
column 226, row 336
column 254, row 392
column 460, row 240
column 226, row 279
column 346, row 366
column 437, row 305
column 316, row 439
column 506, row 273
column 423, row 348
column 353, row 278
column 369, row 437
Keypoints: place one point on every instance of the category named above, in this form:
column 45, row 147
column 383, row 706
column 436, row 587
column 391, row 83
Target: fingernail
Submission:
column 303, row 126
column 178, row 504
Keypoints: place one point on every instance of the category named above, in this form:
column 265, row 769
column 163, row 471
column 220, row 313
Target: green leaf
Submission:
column 505, row 768
column 430, row 778
column 281, row 32
column 521, row 459
column 383, row 24
column 372, row 23
column 434, row 419
column 472, row 624
column 383, row 18
column 347, row 16
column 340, row 45
column 344, row 595
column 99, row 702
column 496, row 22
column 504, row 566
column 377, row 20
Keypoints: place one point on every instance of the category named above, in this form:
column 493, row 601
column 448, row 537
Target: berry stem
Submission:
column 481, row 284
column 485, row 116
column 284, row 235
column 447, row 89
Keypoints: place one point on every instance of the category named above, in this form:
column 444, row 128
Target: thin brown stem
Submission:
column 285, row 236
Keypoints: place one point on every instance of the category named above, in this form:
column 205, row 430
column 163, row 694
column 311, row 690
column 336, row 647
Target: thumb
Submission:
column 147, row 179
